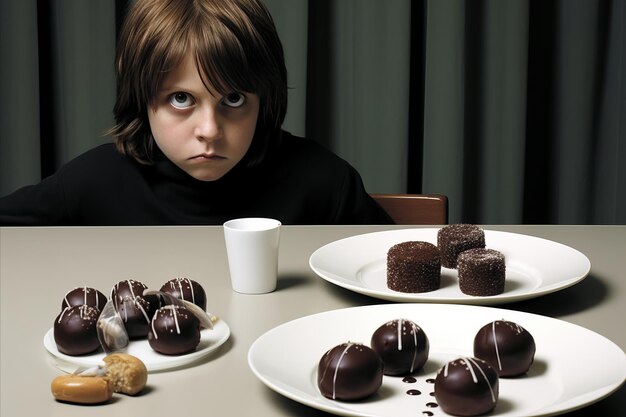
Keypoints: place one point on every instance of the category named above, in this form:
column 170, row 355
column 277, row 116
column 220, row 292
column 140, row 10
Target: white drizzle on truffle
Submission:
column 63, row 313
column 173, row 312
column 469, row 365
column 495, row 343
column 414, row 329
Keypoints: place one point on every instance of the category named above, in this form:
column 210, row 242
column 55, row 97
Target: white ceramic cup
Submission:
column 252, row 248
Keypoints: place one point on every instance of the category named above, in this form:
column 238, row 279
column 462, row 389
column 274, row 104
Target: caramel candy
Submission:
column 81, row 389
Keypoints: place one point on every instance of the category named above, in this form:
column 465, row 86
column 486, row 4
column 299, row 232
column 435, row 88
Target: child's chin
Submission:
column 206, row 176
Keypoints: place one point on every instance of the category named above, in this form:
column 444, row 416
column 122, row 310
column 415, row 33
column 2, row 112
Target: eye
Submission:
column 181, row 100
column 234, row 100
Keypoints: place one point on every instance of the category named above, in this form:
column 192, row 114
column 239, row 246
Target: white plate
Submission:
column 573, row 366
column 210, row 340
column 534, row 266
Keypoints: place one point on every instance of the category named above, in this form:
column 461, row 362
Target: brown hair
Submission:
column 236, row 49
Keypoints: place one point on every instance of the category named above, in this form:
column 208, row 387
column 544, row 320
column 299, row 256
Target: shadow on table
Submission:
column 351, row 297
column 216, row 354
column 586, row 294
column 287, row 281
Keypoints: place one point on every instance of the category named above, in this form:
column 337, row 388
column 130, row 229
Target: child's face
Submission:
column 204, row 135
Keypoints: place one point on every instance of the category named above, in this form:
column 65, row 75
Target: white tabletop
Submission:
column 38, row 265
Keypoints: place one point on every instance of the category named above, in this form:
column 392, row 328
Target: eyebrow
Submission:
column 172, row 87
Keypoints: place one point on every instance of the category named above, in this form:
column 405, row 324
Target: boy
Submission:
column 201, row 97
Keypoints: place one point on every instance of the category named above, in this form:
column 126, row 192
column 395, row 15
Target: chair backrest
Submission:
column 414, row 208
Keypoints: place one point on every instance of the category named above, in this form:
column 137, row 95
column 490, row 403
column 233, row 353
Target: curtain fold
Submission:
column 58, row 79
column 578, row 61
column 517, row 121
column 360, row 70
column 505, row 42
column 515, row 110
column 19, row 82
column 444, row 103
column 82, row 36
column 609, row 158
column 291, row 19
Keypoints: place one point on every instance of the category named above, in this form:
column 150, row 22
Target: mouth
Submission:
column 207, row 157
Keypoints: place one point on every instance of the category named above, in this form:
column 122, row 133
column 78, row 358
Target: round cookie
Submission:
column 127, row 373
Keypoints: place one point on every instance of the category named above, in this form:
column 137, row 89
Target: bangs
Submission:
column 228, row 53
column 228, row 56
column 222, row 65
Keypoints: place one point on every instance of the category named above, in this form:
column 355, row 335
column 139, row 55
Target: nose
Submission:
column 207, row 125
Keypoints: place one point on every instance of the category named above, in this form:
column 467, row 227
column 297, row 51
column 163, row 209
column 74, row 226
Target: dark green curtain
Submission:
column 524, row 110
column 514, row 109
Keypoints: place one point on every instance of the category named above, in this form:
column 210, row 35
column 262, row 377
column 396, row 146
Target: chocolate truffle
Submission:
column 84, row 295
column 348, row 372
column 129, row 288
column 467, row 387
column 135, row 309
column 413, row 267
column 75, row 330
column 186, row 289
column 402, row 346
column 481, row 272
column 456, row 238
column 506, row 346
column 174, row 330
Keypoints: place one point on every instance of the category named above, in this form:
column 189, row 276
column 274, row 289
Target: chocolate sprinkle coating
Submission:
column 481, row 272
column 413, row 267
column 456, row 238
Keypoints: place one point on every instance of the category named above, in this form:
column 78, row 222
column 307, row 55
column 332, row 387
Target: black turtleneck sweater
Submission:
column 301, row 183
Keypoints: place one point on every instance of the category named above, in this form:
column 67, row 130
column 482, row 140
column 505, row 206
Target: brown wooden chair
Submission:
column 414, row 208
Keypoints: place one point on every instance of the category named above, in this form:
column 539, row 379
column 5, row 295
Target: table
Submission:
column 38, row 265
